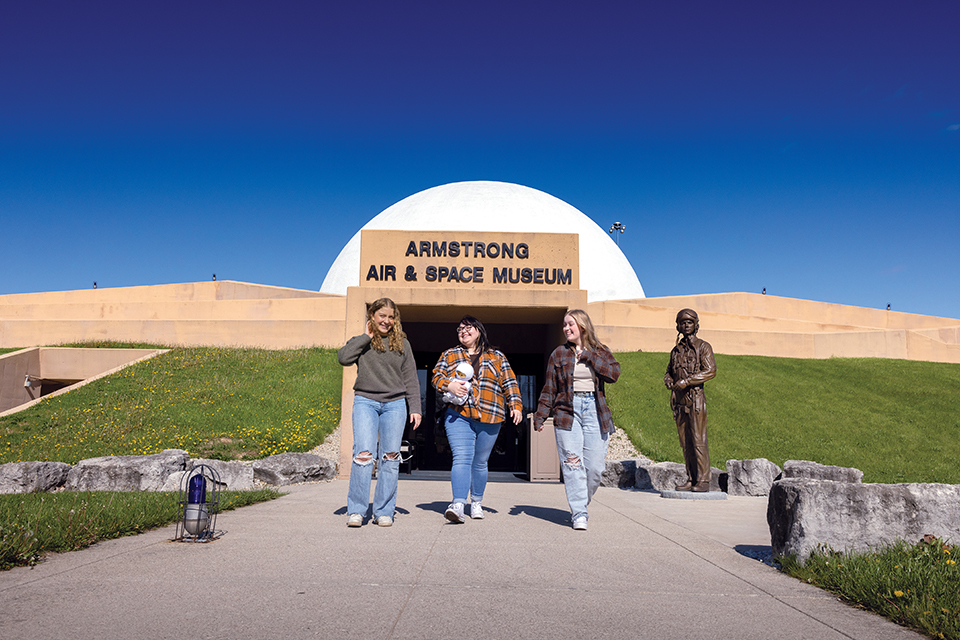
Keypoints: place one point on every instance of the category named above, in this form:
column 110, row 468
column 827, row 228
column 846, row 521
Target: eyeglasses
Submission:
column 464, row 328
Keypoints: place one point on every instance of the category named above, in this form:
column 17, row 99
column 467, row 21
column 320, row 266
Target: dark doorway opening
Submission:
column 523, row 346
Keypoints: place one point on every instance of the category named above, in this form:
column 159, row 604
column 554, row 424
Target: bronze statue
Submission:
column 691, row 364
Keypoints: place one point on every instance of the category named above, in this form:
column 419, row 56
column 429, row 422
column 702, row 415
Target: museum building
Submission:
column 514, row 257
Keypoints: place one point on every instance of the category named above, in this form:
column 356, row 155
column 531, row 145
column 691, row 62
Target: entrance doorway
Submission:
column 523, row 347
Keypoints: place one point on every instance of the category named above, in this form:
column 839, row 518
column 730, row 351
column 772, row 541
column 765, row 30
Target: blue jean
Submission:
column 583, row 453
column 471, row 442
column 377, row 427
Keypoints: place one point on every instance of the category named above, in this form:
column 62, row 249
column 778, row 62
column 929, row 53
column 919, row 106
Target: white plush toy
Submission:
column 464, row 374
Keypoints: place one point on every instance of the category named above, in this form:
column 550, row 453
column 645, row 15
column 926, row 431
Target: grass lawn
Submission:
column 895, row 420
column 37, row 523
column 213, row 402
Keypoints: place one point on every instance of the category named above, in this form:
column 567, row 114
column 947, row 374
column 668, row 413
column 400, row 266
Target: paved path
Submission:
column 647, row 568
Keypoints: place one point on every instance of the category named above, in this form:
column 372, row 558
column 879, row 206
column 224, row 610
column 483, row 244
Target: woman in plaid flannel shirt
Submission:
column 573, row 393
column 472, row 427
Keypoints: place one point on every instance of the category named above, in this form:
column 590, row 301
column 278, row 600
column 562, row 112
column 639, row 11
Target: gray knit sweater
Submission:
column 383, row 376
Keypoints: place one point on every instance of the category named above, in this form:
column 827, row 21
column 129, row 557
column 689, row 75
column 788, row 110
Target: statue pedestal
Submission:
column 693, row 495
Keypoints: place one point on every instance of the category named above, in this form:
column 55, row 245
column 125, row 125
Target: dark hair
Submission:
column 483, row 342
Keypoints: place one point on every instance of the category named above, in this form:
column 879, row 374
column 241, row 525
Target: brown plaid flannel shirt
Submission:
column 557, row 395
column 494, row 385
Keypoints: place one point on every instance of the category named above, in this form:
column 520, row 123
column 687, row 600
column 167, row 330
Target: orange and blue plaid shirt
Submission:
column 495, row 391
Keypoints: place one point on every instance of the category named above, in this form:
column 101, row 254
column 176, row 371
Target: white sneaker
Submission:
column 355, row 520
column 580, row 523
column 384, row 521
column 454, row 512
column 476, row 511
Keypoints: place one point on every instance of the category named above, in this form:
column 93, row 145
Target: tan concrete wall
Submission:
column 754, row 324
column 14, row 367
column 167, row 315
column 61, row 364
column 203, row 314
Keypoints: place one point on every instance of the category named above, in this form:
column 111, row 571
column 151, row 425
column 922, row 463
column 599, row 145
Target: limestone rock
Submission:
column 815, row 471
column 290, row 468
column 665, row 476
column 621, row 474
column 751, row 477
column 126, row 473
column 804, row 513
column 236, row 476
column 30, row 477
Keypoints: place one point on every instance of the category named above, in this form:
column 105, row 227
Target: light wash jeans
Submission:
column 471, row 442
column 373, row 421
column 588, row 445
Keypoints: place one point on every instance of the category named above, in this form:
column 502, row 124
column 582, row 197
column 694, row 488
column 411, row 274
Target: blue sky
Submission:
column 812, row 148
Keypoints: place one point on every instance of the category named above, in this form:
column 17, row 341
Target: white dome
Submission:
column 605, row 272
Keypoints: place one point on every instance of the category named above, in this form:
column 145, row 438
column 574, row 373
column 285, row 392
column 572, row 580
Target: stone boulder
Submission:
column 291, row 468
column 31, row 477
column 234, row 476
column 751, row 477
column 803, row 514
column 621, row 474
column 665, row 476
column 126, row 473
column 814, row 471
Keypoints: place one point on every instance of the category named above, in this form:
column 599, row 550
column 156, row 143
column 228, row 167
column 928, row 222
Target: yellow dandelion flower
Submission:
column 898, row 593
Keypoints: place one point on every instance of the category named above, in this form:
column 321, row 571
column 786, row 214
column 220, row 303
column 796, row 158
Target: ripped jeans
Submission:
column 583, row 452
column 377, row 427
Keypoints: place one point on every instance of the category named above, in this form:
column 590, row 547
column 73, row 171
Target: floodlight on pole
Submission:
column 618, row 227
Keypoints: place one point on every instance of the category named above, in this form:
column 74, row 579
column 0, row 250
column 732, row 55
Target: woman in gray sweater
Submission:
column 386, row 389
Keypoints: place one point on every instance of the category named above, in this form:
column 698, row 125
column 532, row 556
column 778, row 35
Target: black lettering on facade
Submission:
column 523, row 251
column 424, row 249
column 547, row 278
column 372, row 273
column 431, row 273
column 466, row 274
column 479, row 250
column 493, row 250
column 478, row 274
column 526, row 275
column 411, row 249
column 390, row 271
column 506, row 250
column 512, row 279
column 454, row 249
column 443, row 272
column 499, row 276
column 563, row 277
column 439, row 249
column 454, row 275
column 538, row 276
column 466, row 248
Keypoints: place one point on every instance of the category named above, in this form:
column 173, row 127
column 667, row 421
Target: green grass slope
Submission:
column 896, row 420
column 215, row 403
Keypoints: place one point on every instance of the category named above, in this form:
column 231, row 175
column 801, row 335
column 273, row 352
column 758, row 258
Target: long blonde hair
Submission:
column 396, row 333
column 588, row 335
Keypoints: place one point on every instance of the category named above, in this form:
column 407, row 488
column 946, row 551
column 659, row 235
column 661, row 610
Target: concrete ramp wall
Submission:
column 176, row 315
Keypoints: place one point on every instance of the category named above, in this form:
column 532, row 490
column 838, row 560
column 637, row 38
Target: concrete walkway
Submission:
column 646, row 568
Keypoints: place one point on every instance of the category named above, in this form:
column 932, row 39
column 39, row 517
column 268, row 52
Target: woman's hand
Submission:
column 415, row 419
column 516, row 415
column 369, row 329
column 457, row 388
